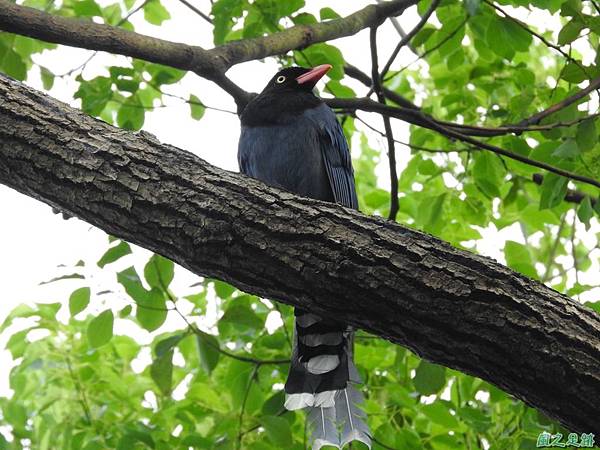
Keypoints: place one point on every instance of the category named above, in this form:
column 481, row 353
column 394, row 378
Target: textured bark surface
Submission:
column 450, row 306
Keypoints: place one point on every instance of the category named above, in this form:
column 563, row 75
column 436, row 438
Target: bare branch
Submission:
column 409, row 36
column 431, row 50
column 357, row 74
column 388, row 128
column 422, row 120
column 536, row 118
column 197, row 11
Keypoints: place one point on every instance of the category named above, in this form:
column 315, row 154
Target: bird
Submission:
column 291, row 139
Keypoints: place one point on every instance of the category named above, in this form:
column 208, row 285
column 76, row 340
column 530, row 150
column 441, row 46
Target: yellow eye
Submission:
column 280, row 79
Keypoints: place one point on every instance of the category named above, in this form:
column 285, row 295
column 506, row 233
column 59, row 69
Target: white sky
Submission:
column 34, row 241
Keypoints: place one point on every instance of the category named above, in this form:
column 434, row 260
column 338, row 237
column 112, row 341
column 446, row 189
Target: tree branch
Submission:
column 211, row 64
column 452, row 307
column 197, row 11
column 357, row 74
column 420, row 119
column 406, row 39
column 387, row 125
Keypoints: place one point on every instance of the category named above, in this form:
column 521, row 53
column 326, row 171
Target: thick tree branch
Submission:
column 211, row 64
column 450, row 306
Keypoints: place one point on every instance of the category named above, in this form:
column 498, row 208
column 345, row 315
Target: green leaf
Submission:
column 19, row 311
column 79, row 300
column 159, row 272
column 472, row 6
column 17, row 343
column 223, row 289
column 340, row 90
column 208, row 350
column 273, row 404
column 164, row 75
column 130, row 280
column 573, row 73
column 47, row 78
column 323, row 54
column 518, row 257
column 328, row 14
column 225, row 13
column 438, row 413
column 114, row 253
column 423, row 35
column 100, row 329
column 570, row 32
column 278, row 430
column 568, row 149
column 585, row 211
column 554, row 189
column 94, row 94
column 241, row 317
column 587, row 136
column 131, row 114
column 12, row 64
column 196, row 107
column 429, row 378
column 488, row 173
column 87, row 8
column 151, row 311
column 161, row 371
column 155, row 12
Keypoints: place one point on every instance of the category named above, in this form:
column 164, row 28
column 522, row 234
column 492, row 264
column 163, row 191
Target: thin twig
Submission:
column 197, row 11
column 431, row 50
column 388, row 128
column 416, row 147
column 408, row 37
column 550, row 262
column 243, row 408
column 399, row 29
column 80, row 391
column 536, row 118
column 573, row 248
column 247, row 359
column 357, row 74
column 93, row 55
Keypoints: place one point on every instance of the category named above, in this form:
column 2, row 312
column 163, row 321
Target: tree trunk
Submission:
column 452, row 307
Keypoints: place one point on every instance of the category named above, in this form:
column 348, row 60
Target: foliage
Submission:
column 79, row 383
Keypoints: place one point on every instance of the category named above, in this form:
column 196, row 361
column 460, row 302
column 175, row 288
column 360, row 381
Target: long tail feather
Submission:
column 350, row 417
column 321, row 423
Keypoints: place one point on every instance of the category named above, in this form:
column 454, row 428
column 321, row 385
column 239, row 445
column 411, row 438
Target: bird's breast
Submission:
column 286, row 156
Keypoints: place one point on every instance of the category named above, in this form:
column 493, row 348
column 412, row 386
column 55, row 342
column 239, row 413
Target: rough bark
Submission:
column 450, row 306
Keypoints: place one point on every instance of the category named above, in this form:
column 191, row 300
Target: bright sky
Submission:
column 34, row 241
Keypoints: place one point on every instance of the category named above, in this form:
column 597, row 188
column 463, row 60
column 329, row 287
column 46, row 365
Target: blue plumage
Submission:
column 292, row 140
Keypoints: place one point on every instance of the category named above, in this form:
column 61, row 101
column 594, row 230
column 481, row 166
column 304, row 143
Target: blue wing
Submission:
column 336, row 156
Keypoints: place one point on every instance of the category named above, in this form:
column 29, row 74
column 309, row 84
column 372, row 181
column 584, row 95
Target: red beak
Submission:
column 314, row 74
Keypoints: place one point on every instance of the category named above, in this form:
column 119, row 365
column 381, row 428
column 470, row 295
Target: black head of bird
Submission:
column 287, row 94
